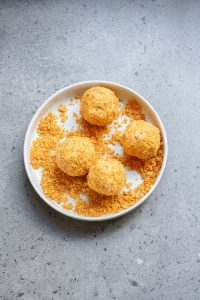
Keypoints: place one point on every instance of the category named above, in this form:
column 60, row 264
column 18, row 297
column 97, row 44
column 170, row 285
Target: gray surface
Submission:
column 153, row 47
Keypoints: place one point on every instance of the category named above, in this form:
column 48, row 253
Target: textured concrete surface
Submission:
column 153, row 47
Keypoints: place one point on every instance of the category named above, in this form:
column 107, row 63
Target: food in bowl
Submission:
column 141, row 139
column 107, row 176
column 99, row 106
column 76, row 155
column 73, row 192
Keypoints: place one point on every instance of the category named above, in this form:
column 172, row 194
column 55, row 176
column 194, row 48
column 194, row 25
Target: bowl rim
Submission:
column 105, row 217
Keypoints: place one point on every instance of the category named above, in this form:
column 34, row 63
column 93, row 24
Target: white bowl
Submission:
column 68, row 93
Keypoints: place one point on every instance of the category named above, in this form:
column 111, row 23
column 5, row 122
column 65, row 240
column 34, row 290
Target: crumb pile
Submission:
column 59, row 186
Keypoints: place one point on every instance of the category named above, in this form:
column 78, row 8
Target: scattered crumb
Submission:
column 59, row 186
column 125, row 121
column 48, row 126
column 133, row 109
column 63, row 113
column 75, row 116
column 116, row 137
column 68, row 206
column 62, row 108
column 128, row 185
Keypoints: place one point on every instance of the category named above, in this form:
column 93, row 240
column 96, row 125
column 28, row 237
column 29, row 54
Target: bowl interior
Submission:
column 71, row 92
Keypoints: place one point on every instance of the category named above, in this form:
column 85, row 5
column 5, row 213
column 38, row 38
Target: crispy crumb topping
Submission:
column 58, row 186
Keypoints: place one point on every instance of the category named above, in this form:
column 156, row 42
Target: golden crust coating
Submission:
column 99, row 106
column 141, row 139
column 75, row 156
column 107, row 177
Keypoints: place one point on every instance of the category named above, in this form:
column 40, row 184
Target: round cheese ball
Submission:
column 141, row 139
column 76, row 155
column 107, row 177
column 99, row 106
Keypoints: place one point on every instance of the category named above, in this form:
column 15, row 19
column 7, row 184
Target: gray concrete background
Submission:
column 153, row 47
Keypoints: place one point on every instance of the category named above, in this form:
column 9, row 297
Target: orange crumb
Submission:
column 75, row 115
column 125, row 121
column 116, row 137
column 59, row 186
column 68, row 206
column 133, row 109
column 62, row 108
column 48, row 126
column 128, row 185
column 62, row 113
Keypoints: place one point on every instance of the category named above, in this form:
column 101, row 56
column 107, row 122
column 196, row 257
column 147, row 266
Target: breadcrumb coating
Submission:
column 107, row 176
column 76, row 155
column 141, row 139
column 99, row 106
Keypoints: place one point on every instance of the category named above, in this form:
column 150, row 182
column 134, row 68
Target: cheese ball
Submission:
column 99, row 106
column 141, row 139
column 76, row 155
column 107, row 177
